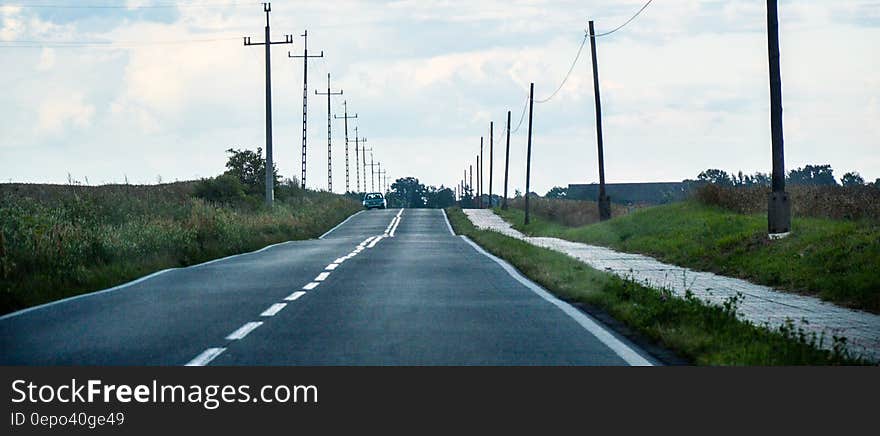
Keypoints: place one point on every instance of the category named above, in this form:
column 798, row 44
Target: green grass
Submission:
column 704, row 334
column 836, row 260
column 59, row 241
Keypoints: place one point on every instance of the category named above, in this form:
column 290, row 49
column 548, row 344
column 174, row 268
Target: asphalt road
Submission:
column 417, row 295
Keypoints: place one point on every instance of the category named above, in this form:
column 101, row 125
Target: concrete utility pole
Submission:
column 779, row 207
column 383, row 181
column 491, row 154
column 357, row 166
column 604, row 200
column 270, row 166
column 364, row 162
column 346, row 118
column 529, row 149
column 305, row 57
column 329, row 148
column 506, row 163
column 372, row 172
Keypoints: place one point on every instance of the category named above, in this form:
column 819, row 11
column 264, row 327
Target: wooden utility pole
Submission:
column 491, row 156
column 345, row 117
column 604, row 200
column 471, row 185
column 779, row 208
column 270, row 165
column 529, row 149
column 305, row 57
column 506, row 163
column 329, row 148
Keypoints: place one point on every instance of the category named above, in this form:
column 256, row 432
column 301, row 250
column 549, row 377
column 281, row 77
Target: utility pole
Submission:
column 604, row 200
column 357, row 160
column 506, row 163
column 346, row 118
column 270, row 166
column 305, row 57
column 364, row 157
column 529, row 149
column 779, row 209
column 471, row 185
column 491, row 154
column 482, row 173
column 329, row 148
column 479, row 181
column 383, row 185
column 372, row 173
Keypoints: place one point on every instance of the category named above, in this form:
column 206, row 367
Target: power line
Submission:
column 581, row 48
column 565, row 79
column 151, row 6
column 107, row 44
column 626, row 22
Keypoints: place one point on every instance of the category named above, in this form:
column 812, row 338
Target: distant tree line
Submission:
column 410, row 193
column 808, row 175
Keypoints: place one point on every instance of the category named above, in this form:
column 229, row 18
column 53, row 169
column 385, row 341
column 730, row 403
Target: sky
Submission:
column 150, row 94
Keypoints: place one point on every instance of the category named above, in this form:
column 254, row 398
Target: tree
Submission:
column 557, row 192
column 250, row 169
column 716, row 177
column 409, row 192
column 440, row 198
column 852, row 178
column 812, row 175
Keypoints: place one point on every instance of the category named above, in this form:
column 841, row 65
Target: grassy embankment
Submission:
column 58, row 241
column 834, row 259
column 706, row 335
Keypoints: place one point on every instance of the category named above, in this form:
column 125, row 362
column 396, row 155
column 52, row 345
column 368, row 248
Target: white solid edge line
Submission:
column 243, row 330
column 338, row 225
column 321, row 277
column 273, row 309
column 625, row 352
column 311, row 285
column 448, row 226
column 294, row 296
column 205, row 357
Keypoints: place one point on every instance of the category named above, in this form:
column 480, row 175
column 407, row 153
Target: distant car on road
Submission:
column 374, row 200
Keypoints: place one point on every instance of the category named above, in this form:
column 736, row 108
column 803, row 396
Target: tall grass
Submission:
column 835, row 202
column 570, row 213
column 57, row 240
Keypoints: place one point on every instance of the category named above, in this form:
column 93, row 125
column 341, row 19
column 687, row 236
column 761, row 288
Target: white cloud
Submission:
column 60, row 111
column 684, row 87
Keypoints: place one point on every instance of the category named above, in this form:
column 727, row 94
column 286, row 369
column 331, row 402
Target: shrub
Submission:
column 225, row 188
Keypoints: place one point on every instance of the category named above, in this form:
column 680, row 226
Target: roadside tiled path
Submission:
column 759, row 304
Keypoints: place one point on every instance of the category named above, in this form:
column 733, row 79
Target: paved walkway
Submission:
column 759, row 304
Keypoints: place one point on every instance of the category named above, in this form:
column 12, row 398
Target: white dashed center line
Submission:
column 273, row 309
column 206, row 357
column 311, row 285
column 321, row 277
column 332, row 266
column 243, row 330
column 294, row 296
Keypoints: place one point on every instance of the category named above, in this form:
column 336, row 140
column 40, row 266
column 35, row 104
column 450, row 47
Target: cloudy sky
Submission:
column 149, row 92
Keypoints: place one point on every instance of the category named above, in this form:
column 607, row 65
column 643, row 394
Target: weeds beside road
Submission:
column 58, row 241
column 706, row 335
